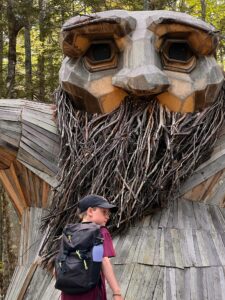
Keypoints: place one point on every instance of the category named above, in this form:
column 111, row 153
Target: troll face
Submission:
column 139, row 108
column 113, row 54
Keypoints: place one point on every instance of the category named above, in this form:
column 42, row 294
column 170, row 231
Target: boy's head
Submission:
column 94, row 208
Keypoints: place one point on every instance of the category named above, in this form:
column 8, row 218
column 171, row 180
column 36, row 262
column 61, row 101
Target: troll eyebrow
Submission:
column 92, row 24
column 156, row 19
column 201, row 36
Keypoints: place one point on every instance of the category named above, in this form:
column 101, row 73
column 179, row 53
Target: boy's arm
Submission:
column 108, row 272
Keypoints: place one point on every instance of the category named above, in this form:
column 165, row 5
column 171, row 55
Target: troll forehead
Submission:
column 138, row 19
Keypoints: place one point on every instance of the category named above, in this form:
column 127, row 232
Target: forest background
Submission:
column 30, row 59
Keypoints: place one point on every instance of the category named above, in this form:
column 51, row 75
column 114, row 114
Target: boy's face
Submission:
column 98, row 215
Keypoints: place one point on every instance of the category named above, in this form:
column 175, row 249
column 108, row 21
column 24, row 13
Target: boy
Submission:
column 94, row 208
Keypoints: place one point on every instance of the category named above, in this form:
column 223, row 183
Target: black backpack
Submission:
column 78, row 262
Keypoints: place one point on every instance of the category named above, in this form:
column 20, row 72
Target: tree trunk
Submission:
column 1, row 242
column 203, row 10
column 28, row 63
column 146, row 5
column 41, row 57
column 8, row 257
column 1, row 52
column 14, row 26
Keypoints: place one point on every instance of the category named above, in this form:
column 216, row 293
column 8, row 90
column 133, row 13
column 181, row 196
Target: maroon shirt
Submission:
column 96, row 293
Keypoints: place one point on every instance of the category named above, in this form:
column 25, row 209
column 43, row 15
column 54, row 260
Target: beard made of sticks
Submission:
column 136, row 157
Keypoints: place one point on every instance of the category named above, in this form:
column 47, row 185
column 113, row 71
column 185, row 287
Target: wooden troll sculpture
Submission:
column 140, row 108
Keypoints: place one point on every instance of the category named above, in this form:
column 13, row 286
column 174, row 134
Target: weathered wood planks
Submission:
column 162, row 283
column 207, row 184
column 24, row 187
column 31, row 236
column 177, row 253
column 20, row 281
column 30, row 131
column 169, row 240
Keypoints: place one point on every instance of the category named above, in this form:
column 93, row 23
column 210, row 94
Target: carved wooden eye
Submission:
column 180, row 51
column 101, row 55
column 99, row 52
column 177, row 55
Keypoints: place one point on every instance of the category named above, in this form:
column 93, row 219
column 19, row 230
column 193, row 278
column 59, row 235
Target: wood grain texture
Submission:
column 28, row 133
column 24, row 187
column 31, row 235
column 177, row 253
column 207, row 182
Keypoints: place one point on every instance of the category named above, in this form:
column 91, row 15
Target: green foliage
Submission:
column 46, row 20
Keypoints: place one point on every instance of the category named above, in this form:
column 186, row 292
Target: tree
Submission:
column 15, row 23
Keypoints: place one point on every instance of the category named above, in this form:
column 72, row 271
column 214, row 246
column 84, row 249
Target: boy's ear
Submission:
column 90, row 211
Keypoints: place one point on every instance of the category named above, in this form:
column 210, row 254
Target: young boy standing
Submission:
column 97, row 209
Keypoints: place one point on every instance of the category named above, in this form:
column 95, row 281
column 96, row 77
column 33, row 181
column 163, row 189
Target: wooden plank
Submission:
column 201, row 216
column 12, row 294
column 177, row 248
column 13, row 140
column 38, row 190
column 10, row 115
column 159, row 247
column 38, row 284
column 179, row 282
column 39, row 154
column 24, row 254
column 153, row 282
column 27, row 281
column 33, row 145
column 51, row 180
column 126, row 247
column 12, row 102
column 40, row 122
column 37, row 107
column 169, row 259
column 188, row 215
column 186, row 256
column 195, row 284
column 22, row 173
column 45, row 194
column 220, row 247
column 164, row 217
column 46, row 143
column 215, row 164
column 51, row 292
column 190, row 247
column 172, row 284
column 158, row 292
column 147, row 246
column 222, row 282
column 216, row 283
column 199, row 261
column 215, row 219
column 203, row 251
column 11, row 192
column 29, row 158
column 204, row 190
column 32, row 189
column 6, row 158
column 53, row 136
column 18, row 186
column 217, row 195
column 11, row 126
column 209, row 284
column 210, row 249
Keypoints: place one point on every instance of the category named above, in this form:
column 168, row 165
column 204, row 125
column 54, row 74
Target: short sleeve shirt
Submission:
column 97, row 293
